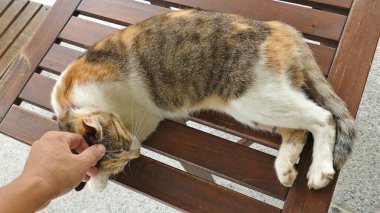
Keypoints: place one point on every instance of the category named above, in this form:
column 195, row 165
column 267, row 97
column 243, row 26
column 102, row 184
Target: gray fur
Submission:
column 186, row 60
column 322, row 93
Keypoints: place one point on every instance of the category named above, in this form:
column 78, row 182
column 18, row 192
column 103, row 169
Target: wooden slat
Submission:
column 348, row 76
column 254, row 170
column 302, row 199
column 228, row 124
column 232, row 161
column 24, row 125
column 3, row 5
column 123, row 12
column 170, row 185
column 26, row 62
column 84, row 33
column 58, row 58
column 9, row 15
column 313, row 22
column 338, row 3
column 17, row 26
column 7, row 58
column 38, row 90
column 185, row 191
column 355, row 52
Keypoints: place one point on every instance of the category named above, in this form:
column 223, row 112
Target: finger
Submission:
column 85, row 178
column 76, row 142
column 92, row 171
column 91, row 155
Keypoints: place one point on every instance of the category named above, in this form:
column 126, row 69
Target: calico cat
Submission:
column 261, row 73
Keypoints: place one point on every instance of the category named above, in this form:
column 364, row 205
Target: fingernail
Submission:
column 101, row 148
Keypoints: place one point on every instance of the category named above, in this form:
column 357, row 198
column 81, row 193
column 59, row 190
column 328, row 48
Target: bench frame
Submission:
column 347, row 72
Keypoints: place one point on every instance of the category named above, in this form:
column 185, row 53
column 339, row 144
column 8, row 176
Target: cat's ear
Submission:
column 91, row 129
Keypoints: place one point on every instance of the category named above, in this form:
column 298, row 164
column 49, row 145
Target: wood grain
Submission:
column 123, row 12
column 352, row 62
column 3, row 5
column 84, row 33
column 226, row 123
column 26, row 62
column 313, row 22
column 254, row 170
column 10, row 14
column 58, row 58
column 241, row 164
column 165, row 183
column 8, row 37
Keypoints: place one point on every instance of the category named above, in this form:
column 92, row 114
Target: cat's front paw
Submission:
column 98, row 183
column 319, row 175
column 286, row 173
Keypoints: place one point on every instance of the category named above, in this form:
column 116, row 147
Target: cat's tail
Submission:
column 321, row 92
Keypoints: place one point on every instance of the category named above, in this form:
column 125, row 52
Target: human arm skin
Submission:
column 50, row 171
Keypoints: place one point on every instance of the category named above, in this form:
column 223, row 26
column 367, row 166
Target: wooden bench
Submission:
column 342, row 33
column 18, row 21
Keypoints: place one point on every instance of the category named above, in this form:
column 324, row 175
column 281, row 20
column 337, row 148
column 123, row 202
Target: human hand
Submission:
column 52, row 161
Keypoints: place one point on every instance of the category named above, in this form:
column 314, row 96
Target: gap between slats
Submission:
column 258, row 173
column 149, row 176
column 59, row 57
column 310, row 21
column 85, row 33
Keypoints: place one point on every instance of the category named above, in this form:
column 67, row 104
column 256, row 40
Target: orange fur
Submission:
column 278, row 45
column 81, row 72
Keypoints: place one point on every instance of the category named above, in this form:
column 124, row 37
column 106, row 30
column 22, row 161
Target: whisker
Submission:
column 140, row 125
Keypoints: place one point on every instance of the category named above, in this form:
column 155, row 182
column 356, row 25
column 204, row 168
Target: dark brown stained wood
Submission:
column 233, row 161
column 338, row 3
column 254, row 170
column 228, row 124
column 7, row 58
column 155, row 179
column 3, row 5
column 25, row 125
column 26, row 62
column 37, row 91
column 123, row 12
column 355, row 52
column 323, row 55
column 300, row 198
column 17, row 26
column 313, row 22
column 85, row 33
column 185, row 191
column 58, row 57
column 9, row 15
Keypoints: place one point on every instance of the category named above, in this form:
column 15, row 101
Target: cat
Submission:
column 263, row 74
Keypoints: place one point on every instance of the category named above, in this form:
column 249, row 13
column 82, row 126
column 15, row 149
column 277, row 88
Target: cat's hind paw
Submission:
column 320, row 175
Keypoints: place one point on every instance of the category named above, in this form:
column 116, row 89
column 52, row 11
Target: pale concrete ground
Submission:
column 357, row 188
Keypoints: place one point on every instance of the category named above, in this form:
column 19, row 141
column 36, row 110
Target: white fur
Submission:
column 270, row 101
column 98, row 183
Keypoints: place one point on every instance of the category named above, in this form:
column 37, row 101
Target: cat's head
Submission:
column 99, row 127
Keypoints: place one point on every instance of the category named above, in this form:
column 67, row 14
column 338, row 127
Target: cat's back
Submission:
column 188, row 55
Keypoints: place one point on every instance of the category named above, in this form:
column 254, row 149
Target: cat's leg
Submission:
column 291, row 109
column 98, row 183
column 293, row 141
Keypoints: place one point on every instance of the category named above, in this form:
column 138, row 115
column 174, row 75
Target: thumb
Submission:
column 92, row 154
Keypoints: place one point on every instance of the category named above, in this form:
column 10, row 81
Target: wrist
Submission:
column 36, row 189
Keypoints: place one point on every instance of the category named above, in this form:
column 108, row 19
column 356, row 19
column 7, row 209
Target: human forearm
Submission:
column 25, row 194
